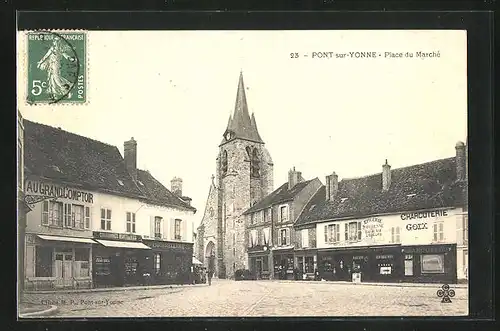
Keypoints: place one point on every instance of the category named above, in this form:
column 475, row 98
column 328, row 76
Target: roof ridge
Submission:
column 69, row 132
column 400, row 168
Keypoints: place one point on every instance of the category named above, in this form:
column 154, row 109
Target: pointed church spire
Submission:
column 241, row 125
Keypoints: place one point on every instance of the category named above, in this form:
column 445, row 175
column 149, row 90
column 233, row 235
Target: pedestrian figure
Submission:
column 209, row 277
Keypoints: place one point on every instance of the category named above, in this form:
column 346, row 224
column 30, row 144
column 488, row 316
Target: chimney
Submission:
column 334, row 186
column 176, row 186
column 294, row 177
column 327, row 187
column 386, row 176
column 460, row 160
column 130, row 155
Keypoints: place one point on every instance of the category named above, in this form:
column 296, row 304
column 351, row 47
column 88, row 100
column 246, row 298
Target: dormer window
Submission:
column 120, row 182
column 229, row 135
column 343, row 199
column 140, row 183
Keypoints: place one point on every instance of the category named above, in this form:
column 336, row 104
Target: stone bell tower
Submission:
column 244, row 176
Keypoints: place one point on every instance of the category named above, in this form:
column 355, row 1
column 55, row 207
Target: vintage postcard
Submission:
column 242, row 173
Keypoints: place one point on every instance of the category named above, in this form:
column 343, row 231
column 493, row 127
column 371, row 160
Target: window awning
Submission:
column 70, row 239
column 122, row 244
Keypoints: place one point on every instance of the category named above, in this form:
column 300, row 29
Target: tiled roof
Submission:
column 281, row 194
column 67, row 157
column 423, row 186
column 157, row 192
column 60, row 155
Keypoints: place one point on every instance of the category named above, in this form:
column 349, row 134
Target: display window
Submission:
column 432, row 263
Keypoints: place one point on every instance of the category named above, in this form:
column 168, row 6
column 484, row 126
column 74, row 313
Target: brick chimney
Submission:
column 332, row 186
column 460, row 160
column 176, row 186
column 130, row 156
column 294, row 177
column 386, row 176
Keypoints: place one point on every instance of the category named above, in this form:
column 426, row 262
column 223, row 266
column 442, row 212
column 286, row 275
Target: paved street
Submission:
column 259, row 298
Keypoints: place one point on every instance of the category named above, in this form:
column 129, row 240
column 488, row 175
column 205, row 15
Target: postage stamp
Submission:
column 56, row 67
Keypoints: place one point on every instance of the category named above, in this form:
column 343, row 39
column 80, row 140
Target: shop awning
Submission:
column 196, row 261
column 70, row 239
column 122, row 244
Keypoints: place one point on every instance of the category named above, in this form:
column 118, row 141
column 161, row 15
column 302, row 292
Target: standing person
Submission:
column 209, row 277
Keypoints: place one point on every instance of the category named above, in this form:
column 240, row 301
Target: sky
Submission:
column 173, row 91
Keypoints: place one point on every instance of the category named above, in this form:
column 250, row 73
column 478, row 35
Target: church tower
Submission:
column 244, row 175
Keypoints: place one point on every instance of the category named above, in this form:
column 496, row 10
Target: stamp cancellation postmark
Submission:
column 56, row 67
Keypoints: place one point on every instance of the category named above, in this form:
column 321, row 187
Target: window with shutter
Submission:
column 359, row 231
column 346, row 232
column 288, row 236
column 337, row 228
column 326, row 234
column 45, row 213
column 87, row 217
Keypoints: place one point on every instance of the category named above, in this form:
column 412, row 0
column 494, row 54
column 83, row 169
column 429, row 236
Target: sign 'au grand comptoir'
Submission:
column 56, row 191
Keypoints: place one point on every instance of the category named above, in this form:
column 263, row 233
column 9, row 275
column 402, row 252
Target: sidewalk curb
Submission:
column 47, row 312
column 113, row 289
column 378, row 284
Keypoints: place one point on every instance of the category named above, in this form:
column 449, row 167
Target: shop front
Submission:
column 169, row 262
column 365, row 264
column 430, row 263
column 259, row 261
column 57, row 262
column 119, row 260
column 283, row 263
column 306, row 262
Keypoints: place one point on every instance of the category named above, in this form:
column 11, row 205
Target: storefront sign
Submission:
column 424, row 214
column 166, row 244
column 99, row 259
column 55, row 191
column 116, row 236
column 384, row 257
column 416, row 226
column 426, row 249
column 373, row 227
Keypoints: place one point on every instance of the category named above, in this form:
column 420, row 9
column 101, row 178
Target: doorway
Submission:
column 63, row 267
column 258, row 268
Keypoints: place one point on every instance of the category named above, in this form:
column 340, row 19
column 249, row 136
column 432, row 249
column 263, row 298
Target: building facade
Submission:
column 402, row 225
column 271, row 237
column 244, row 175
column 96, row 220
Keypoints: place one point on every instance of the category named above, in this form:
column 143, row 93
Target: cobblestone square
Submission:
column 227, row 298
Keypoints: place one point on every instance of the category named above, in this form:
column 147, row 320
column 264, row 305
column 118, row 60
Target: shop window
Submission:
column 43, row 261
column 332, row 233
column 309, row 264
column 82, row 268
column 300, row 262
column 102, row 266
column 157, row 263
column 265, row 263
column 178, row 223
column 438, row 231
column 105, row 219
column 157, row 226
column 131, row 222
column 283, row 213
column 408, row 265
column 432, row 263
column 52, row 213
column 395, row 235
column 353, row 231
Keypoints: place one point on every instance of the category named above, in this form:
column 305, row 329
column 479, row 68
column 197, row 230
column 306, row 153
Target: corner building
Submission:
column 244, row 175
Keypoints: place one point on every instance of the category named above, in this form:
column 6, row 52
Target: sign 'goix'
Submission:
column 428, row 226
column 39, row 190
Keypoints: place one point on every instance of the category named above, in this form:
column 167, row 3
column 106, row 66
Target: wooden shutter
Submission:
column 326, row 234
column 288, row 236
column 337, row 231
column 152, row 226
column 183, row 230
column 164, row 228
column 279, row 237
column 346, row 231
column 45, row 213
column 359, row 230
column 172, row 228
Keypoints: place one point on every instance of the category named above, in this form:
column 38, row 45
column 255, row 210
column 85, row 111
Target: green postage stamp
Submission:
column 56, row 67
